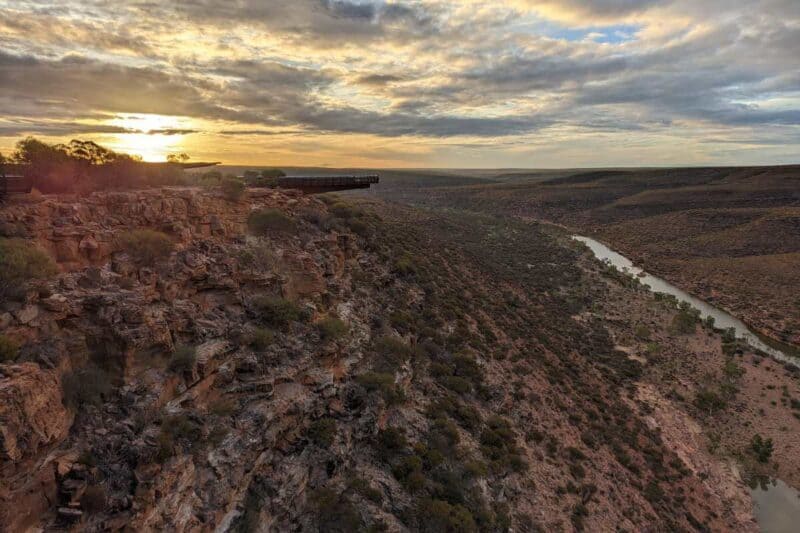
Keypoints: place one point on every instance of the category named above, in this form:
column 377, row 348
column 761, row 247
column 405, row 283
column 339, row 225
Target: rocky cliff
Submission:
column 332, row 367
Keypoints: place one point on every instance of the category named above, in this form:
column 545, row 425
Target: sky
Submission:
column 423, row 83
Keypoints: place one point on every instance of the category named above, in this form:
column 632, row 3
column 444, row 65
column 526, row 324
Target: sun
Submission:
column 152, row 137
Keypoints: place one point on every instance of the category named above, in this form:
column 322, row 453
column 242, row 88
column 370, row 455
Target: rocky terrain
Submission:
column 286, row 363
column 728, row 235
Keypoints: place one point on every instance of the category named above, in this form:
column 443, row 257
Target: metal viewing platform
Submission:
column 321, row 184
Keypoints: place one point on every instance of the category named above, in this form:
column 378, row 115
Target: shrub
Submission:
column 406, row 265
column 359, row 227
column 183, row 359
column 8, row 349
column 466, row 415
column 762, row 448
column 263, row 183
column 391, row 441
column 498, row 445
column 709, row 400
column 731, row 370
column 86, row 386
column 266, row 221
column 653, row 492
column 20, row 263
column 271, row 172
column 233, row 189
column 276, row 311
column 261, row 338
column 456, row 384
column 438, row 516
column 362, row 487
column 257, row 256
column 729, row 335
column 332, row 328
column 392, row 353
column 178, row 431
column 146, row 246
column 642, row 332
column 383, row 383
column 686, row 320
column 408, row 471
column 344, row 210
column 322, row 432
column 334, row 511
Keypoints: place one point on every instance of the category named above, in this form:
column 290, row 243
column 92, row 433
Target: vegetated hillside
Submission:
column 277, row 363
column 729, row 235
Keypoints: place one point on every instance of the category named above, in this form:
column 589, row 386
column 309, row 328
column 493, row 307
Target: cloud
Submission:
column 417, row 71
column 377, row 79
column 590, row 12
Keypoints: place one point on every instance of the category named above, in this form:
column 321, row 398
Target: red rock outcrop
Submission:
column 32, row 415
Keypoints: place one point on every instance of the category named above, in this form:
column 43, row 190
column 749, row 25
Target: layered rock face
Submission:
column 348, row 368
column 107, row 311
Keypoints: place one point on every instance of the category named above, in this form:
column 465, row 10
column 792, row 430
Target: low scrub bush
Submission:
column 709, row 400
column 466, row 415
column 257, row 256
column 498, row 445
column 183, row 360
column 322, row 432
column 391, row 353
column 345, row 210
column 408, row 471
column 21, row 263
column 642, row 332
column 382, row 383
column 146, row 246
column 276, row 311
column 261, row 338
column 270, row 221
column 177, row 433
column 335, row 512
column 332, row 328
column 762, row 448
column 391, row 441
column 264, row 183
column 437, row 516
column 460, row 374
column 233, row 189
column 361, row 486
column 685, row 322
column 406, row 265
column 9, row 349
column 86, row 386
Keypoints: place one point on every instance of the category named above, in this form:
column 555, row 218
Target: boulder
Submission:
column 32, row 414
column 27, row 314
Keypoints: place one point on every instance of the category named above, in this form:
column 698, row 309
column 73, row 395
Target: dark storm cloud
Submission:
column 378, row 79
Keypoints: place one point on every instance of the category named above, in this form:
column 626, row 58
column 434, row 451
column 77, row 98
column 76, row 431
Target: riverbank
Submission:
column 709, row 401
column 722, row 318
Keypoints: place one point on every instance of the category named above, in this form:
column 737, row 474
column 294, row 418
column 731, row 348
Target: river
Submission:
column 722, row 319
column 776, row 505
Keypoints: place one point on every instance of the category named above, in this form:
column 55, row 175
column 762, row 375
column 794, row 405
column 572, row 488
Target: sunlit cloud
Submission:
column 408, row 83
